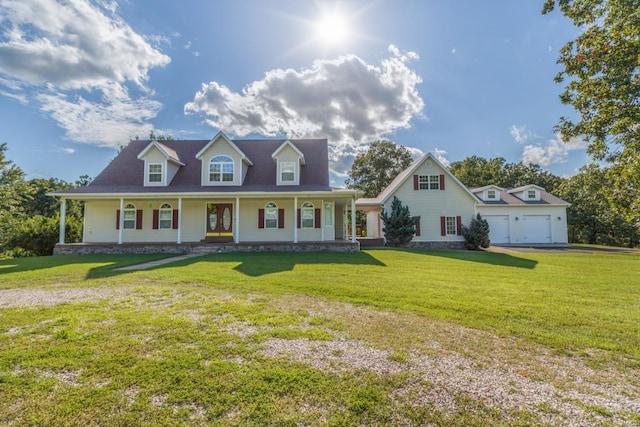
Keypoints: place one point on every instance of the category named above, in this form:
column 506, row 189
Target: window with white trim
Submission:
column 270, row 215
column 221, row 169
column 288, row 172
column 429, row 182
column 531, row 194
column 491, row 194
column 129, row 217
column 328, row 214
column 165, row 216
column 155, row 172
column 307, row 215
column 452, row 224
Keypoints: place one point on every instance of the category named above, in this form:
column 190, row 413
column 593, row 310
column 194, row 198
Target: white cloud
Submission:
column 440, row 155
column 65, row 150
column 58, row 52
column 346, row 100
column 555, row 151
column 520, row 133
column 71, row 45
column 110, row 122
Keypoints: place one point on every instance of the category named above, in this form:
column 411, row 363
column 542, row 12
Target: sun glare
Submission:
column 332, row 28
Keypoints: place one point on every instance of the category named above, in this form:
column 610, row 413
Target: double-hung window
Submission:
column 308, row 215
column 429, row 182
column 221, row 169
column 270, row 215
column 165, row 216
column 531, row 194
column 129, row 216
column 155, row 172
column 451, row 224
column 288, row 172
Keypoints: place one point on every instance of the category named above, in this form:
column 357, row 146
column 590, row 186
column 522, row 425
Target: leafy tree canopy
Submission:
column 374, row 170
column 477, row 171
column 602, row 70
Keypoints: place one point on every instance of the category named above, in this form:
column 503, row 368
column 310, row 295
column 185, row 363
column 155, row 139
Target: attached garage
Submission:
column 536, row 229
column 498, row 228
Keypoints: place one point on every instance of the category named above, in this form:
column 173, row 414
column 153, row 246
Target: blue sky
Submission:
column 456, row 78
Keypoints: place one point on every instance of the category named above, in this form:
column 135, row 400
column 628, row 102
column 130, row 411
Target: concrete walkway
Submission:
column 156, row 263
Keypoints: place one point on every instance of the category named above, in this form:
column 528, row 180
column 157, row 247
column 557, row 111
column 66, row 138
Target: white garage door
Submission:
column 498, row 228
column 536, row 228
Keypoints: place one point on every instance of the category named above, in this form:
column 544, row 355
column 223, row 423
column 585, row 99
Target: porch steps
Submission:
column 370, row 242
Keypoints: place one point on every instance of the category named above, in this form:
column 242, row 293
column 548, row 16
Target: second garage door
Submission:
column 498, row 228
column 536, row 228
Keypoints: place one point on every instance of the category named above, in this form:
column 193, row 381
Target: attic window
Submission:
column 221, row 169
column 429, row 182
column 491, row 194
column 155, row 172
column 288, row 172
column 531, row 194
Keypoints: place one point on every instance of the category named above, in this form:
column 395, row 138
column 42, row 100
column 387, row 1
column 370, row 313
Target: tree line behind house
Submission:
column 591, row 218
column 29, row 219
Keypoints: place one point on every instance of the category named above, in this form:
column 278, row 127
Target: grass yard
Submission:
column 381, row 337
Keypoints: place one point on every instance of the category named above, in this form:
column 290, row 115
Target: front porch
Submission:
column 203, row 248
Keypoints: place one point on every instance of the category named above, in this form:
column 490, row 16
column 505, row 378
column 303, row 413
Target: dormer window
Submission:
column 288, row 172
column 221, row 169
column 491, row 194
column 531, row 194
column 155, row 173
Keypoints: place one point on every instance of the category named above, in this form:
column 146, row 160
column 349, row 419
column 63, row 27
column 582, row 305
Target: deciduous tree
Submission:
column 374, row 170
column 602, row 74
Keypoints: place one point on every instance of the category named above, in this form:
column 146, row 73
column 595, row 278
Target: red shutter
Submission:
column 459, row 225
column 139, row 219
column 118, row 219
column 260, row 218
column 443, row 226
column 441, row 182
column 418, row 227
column 299, row 220
column 156, row 219
column 416, row 185
column 317, row 218
column 280, row 218
column 175, row 219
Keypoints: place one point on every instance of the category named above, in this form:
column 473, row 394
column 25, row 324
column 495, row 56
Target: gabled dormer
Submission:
column 161, row 164
column 289, row 159
column 489, row 193
column 223, row 163
column 527, row 193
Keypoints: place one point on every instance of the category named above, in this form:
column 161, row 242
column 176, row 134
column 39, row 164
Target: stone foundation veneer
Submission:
column 185, row 248
column 437, row 245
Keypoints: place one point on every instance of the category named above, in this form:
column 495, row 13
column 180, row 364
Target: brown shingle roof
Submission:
column 125, row 174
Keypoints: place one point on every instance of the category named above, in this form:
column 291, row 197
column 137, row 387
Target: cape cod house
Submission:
column 249, row 194
column 174, row 196
column 526, row 215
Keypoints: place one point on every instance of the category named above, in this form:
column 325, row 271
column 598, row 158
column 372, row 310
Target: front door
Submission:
column 220, row 221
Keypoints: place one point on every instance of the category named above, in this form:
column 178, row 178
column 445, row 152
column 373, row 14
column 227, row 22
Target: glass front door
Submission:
column 219, row 220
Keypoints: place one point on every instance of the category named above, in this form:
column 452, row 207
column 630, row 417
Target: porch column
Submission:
column 353, row 220
column 63, row 219
column 236, row 227
column 179, row 240
column 295, row 219
column 322, row 220
column 121, row 221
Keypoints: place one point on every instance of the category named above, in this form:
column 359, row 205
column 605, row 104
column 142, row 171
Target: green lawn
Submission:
column 187, row 342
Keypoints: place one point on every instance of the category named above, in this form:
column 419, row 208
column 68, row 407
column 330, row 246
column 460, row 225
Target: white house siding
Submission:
column 222, row 148
column 530, row 224
column 100, row 221
column 430, row 205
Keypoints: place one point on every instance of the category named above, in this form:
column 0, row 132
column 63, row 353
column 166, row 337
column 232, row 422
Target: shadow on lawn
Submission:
column 256, row 264
column 492, row 258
